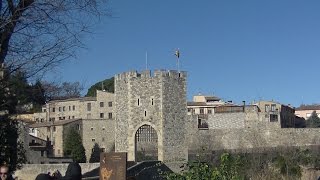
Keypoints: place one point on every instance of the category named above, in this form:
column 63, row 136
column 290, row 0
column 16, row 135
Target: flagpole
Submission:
column 146, row 60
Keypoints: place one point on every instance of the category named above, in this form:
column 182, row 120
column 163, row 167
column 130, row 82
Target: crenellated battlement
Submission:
column 148, row 74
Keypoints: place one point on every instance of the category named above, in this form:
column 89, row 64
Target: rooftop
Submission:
column 308, row 107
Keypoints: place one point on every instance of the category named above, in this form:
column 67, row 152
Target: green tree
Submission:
column 313, row 121
column 107, row 84
column 95, row 155
column 11, row 150
column 73, row 146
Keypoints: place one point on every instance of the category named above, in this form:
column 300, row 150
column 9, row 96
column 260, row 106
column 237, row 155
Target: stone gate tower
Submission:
column 157, row 100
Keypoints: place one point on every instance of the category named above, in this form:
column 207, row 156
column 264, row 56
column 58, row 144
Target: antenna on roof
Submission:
column 102, row 87
column 146, row 60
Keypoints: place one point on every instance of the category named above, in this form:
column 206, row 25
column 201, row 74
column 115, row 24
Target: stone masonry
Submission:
column 158, row 101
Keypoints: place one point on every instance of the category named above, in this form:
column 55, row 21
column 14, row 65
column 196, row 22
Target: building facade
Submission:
column 278, row 113
column 305, row 111
column 92, row 116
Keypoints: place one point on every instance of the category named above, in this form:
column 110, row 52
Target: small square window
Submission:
column 110, row 104
column 91, row 128
column 93, row 139
column 103, row 128
column 101, row 104
column 101, row 115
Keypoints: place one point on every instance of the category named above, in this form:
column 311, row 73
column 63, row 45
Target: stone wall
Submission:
column 218, row 139
column 226, row 120
column 30, row 171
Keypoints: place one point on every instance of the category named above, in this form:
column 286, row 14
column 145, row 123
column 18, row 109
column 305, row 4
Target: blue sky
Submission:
column 237, row 50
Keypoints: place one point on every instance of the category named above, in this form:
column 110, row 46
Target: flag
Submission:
column 177, row 53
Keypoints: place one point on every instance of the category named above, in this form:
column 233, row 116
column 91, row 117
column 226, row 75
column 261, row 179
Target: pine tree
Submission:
column 73, row 146
column 95, row 155
column 313, row 121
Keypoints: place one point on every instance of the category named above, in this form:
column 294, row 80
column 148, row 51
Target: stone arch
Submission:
column 133, row 150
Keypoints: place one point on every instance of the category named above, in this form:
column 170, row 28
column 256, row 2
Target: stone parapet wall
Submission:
column 251, row 138
column 30, row 171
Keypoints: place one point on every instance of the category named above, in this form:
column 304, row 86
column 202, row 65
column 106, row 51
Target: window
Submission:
column 138, row 102
column 44, row 110
column 54, row 129
column 201, row 111
column 91, row 128
column 63, row 108
column 42, row 153
column 267, row 108
column 145, row 113
column 59, row 151
column 89, row 116
column 101, row 115
column 53, row 109
column 72, row 117
column 73, row 107
column 59, row 109
column 69, row 117
column 103, row 128
column 51, row 119
column 209, row 111
column 41, row 120
column 102, row 149
column 189, row 109
column 69, row 108
column 273, row 118
column 152, row 101
column 110, row 115
column 273, row 107
column 88, row 106
column 93, row 139
column 110, row 104
column 79, row 127
column 48, row 129
column 101, row 104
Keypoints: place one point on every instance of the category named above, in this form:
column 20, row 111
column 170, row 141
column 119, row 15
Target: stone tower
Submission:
column 157, row 100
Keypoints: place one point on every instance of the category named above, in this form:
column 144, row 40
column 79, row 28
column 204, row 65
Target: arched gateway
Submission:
column 150, row 112
column 146, row 143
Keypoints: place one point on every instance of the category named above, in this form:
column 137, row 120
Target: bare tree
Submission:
column 38, row 34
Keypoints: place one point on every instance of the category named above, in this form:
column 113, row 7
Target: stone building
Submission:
column 277, row 112
column 151, row 108
column 92, row 116
column 100, row 107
